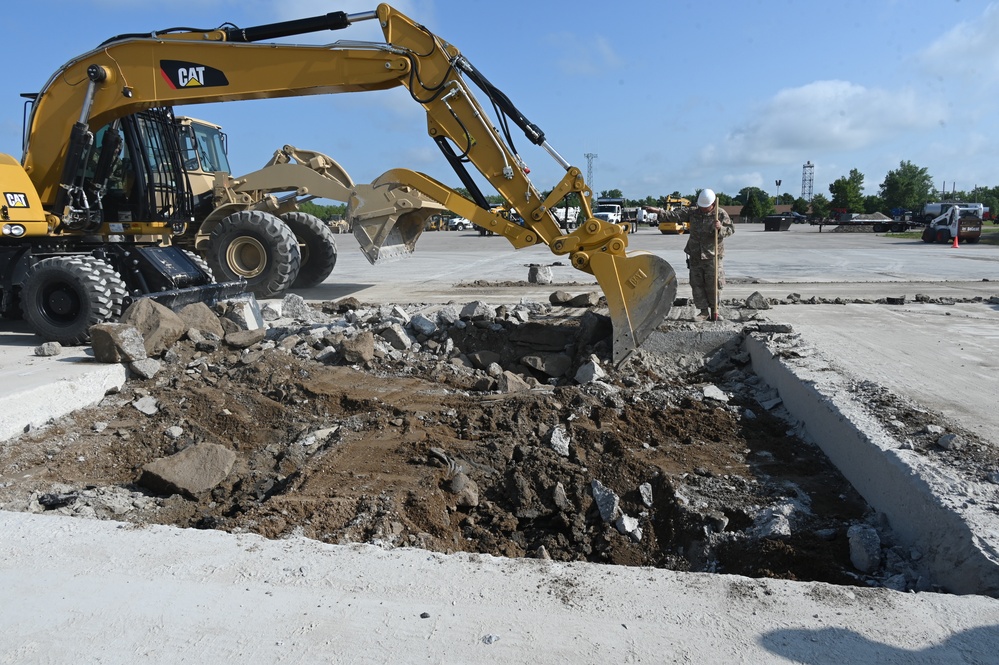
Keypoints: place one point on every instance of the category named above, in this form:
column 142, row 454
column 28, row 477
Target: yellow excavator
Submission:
column 78, row 203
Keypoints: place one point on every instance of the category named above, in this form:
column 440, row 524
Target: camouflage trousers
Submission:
column 702, row 282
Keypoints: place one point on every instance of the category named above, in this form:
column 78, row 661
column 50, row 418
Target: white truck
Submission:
column 609, row 210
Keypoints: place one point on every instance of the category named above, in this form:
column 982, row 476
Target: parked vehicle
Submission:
column 459, row 224
column 609, row 210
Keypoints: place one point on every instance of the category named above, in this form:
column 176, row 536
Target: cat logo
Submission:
column 181, row 74
column 16, row 199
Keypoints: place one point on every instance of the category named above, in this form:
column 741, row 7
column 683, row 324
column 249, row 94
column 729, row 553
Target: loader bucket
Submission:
column 387, row 219
column 640, row 289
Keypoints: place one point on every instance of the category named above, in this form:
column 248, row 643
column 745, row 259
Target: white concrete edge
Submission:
column 959, row 553
column 37, row 406
column 179, row 595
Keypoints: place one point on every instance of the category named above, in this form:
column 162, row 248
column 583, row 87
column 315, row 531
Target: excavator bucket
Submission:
column 640, row 289
column 387, row 219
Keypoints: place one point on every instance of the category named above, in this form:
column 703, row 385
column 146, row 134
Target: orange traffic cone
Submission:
column 955, row 242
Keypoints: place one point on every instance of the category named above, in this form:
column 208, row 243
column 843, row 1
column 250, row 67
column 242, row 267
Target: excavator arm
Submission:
column 132, row 73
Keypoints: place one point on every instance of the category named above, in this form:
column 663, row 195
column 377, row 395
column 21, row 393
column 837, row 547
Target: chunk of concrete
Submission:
column 607, row 501
column 159, row 325
column 865, row 548
column 359, row 349
column 200, row 316
column 117, row 342
column 191, row 472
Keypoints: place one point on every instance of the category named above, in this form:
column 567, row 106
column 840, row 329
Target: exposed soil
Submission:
column 418, row 448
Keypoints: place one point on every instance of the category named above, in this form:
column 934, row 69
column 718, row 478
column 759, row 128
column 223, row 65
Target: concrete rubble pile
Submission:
column 530, row 348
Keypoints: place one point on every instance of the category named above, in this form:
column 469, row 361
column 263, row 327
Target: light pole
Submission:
column 777, row 200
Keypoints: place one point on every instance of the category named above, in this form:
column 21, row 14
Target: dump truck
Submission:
column 72, row 198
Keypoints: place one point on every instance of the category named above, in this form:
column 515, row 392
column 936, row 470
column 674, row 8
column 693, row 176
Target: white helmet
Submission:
column 706, row 198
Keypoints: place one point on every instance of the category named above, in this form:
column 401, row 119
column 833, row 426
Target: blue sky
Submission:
column 674, row 95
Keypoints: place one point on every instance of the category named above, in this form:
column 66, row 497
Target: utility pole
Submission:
column 590, row 156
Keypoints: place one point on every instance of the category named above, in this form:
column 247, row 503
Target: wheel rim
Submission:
column 61, row 303
column 247, row 257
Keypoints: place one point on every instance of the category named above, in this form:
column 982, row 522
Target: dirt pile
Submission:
column 461, row 428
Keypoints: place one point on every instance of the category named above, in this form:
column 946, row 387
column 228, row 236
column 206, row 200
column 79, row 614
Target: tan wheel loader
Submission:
column 254, row 228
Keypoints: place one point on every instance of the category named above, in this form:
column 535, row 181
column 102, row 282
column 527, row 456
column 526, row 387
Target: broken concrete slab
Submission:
column 191, row 472
column 117, row 342
column 159, row 325
column 958, row 538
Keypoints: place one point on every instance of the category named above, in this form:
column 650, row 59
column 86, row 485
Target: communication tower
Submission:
column 590, row 156
column 807, row 175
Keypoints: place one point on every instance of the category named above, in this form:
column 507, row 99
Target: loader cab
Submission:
column 204, row 145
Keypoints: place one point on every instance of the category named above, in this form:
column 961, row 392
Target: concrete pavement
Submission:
column 83, row 591
column 111, row 593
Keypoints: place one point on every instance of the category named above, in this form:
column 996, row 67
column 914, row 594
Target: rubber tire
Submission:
column 972, row 241
column 928, row 235
column 897, row 228
column 943, row 235
column 317, row 246
column 202, row 265
column 62, row 297
column 255, row 246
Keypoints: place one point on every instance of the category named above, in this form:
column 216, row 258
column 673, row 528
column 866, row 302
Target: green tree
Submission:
column 821, row 207
column 848, row 192
column 875, row 203
column 611, row 194
column 756, row 208
column 786, row 199
column 746, row 192
column 800, row 206
column 324, row 212
column 907, row 187
column 987, row 196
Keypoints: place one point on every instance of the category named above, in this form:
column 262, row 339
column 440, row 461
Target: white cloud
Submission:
column 736, row 182
column 584, row 57
column 825, row 116
column 967, row 50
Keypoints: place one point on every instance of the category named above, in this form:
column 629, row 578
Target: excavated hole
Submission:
column 411, row 449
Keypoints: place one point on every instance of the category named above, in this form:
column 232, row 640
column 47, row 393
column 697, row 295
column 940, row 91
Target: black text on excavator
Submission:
column 92, row 200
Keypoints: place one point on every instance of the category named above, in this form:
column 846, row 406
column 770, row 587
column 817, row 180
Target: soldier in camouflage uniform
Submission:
column 700, row 249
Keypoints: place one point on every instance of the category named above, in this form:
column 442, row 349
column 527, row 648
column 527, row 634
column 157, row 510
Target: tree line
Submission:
column 906, row 188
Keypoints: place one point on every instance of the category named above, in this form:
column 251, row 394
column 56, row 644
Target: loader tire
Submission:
column 943, row 235
column 255, row 246
column 317, row 246
column 62, row 297
column 928, row 235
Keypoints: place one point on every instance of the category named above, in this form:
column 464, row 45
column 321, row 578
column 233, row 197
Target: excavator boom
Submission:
column 133, row 73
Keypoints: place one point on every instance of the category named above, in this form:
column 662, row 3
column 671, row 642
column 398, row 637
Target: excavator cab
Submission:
column 135, row 172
